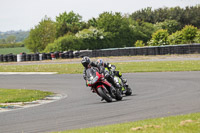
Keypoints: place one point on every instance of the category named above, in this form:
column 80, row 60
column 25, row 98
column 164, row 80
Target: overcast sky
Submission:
column 25, row 14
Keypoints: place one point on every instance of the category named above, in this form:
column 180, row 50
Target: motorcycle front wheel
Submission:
column 118, row 95
column 104, row 94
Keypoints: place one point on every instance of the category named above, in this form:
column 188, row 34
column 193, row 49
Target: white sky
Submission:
column 25, row 14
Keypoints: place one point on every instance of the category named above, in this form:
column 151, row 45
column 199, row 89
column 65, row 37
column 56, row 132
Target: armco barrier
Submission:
column 128, row 51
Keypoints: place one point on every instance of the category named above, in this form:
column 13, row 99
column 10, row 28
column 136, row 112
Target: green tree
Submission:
column 145, row 15
column 185, row 16
column 11, row 39
column 160, row 37
column 2, row 41
column 176, row 13
column 94, row 38
column 170, row 25
column 118, row 26
column 197, row 38
column 189, row 33
column 160, row 14
column 68, row 23
column 41, row 35
column 92, row 22
column 65, row 43
column 111, row 22
column 139, row 43
column 191, row 16
column 143, row 30
column 175, row 38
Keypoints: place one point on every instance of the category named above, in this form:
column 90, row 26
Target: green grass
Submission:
column 189, row 123
column 125, row 67
column 159, row 66
column 16, row 50
column 60, row 68
column 21, row 95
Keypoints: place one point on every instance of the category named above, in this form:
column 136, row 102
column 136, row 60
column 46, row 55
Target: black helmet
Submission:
column 100, row 62
column 85, row 61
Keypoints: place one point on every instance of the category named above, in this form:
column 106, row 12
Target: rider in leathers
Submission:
column 111, row 68
column 87, row 64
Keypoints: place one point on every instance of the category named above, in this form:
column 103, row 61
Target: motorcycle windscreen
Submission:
column 90, row 74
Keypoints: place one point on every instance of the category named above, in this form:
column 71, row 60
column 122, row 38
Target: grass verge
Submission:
column 21, row 95
column 125, row 67
column 189, row 123
column 159, row 66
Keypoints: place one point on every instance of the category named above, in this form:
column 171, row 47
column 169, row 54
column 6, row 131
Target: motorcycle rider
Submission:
column 111, row 68
column 87, row 64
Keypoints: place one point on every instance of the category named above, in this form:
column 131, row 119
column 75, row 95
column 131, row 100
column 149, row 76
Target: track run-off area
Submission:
column 155, row 94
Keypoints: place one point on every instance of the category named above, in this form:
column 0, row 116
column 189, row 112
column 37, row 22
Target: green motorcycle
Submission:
column 125, row 89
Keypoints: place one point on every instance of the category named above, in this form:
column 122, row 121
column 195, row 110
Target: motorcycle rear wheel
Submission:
column 102, row 92
column 128, row 91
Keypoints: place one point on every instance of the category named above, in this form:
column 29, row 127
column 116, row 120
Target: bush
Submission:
column 159, row 37
column 176, row 38
column 139, row 43
column 94, row 38
column 12, row 45
column 66, row 43
column 189, row 33
column 197, row 38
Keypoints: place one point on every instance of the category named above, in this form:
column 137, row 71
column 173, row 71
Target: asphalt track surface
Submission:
column 156, row 94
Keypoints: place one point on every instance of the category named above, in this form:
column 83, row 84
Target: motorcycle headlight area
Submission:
column 93, row 80
column 116, row 79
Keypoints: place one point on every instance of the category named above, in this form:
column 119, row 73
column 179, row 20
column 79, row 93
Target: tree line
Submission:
column 184, row 16
column 12, row 39
column 10, row 42
column 163, row 26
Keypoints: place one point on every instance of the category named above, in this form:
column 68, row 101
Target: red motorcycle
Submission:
column 101, row 86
